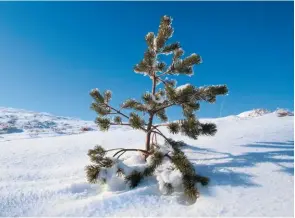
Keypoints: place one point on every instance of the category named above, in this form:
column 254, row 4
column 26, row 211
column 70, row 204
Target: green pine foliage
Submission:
column 136, row 122
column 99, row 162
column 152, row 107
column 173, row 128
column 92, row 172
column 103, row 123
column 134, row 178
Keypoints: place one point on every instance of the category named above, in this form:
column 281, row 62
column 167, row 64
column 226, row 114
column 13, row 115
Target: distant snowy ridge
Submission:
column 19, row 123
column 254, row 113
column 260, row 112
column 33, row 124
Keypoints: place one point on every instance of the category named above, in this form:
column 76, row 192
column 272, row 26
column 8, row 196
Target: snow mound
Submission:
column 254, row 113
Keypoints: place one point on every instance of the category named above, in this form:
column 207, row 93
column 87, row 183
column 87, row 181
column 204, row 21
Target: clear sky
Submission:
column 53, row 53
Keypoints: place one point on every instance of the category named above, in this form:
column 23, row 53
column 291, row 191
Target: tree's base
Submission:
column 170, row 168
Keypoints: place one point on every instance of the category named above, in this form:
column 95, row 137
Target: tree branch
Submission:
column 162, row 124
column 124, row 115
column 131, row 149
column 166, row 106
column 117, row 111
column 121, row 154
column 163, row 81
column 114, row 149
column 120, row 124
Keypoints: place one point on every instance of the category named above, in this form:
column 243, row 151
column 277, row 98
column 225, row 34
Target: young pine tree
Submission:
column 153, row 105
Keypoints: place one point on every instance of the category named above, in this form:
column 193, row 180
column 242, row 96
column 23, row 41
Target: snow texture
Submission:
column 250, row 163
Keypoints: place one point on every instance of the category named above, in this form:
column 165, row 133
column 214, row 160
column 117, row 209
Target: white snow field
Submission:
column 250, row 162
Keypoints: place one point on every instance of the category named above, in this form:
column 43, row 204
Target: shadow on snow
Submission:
column 223, row 169
column 227, row 168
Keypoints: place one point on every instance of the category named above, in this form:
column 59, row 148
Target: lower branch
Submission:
column 131, row 149
column 121, row 154
column 113, row 149
column 120, row 124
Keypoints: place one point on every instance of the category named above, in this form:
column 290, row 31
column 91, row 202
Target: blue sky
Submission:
column 53, row 53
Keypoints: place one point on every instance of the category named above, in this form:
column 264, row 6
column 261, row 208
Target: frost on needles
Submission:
column 164, row 94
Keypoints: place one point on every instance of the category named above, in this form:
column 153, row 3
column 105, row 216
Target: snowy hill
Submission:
column 254, row 113
column 17, row 123
column 260, row 112
column 250, row 163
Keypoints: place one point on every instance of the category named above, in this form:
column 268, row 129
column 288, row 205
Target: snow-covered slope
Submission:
column 17, row 123
column 249, row 162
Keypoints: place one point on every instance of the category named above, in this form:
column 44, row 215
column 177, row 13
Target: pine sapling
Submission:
column 152, row 107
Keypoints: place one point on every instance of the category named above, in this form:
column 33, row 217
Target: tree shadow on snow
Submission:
column 227, row 169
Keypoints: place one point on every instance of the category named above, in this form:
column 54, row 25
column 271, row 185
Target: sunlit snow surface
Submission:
column 249, row 162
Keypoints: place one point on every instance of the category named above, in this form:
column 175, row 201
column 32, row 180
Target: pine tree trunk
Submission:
column 148, row 141
column 148, row 135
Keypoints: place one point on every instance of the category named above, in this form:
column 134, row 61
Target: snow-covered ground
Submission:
column 249, row 161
